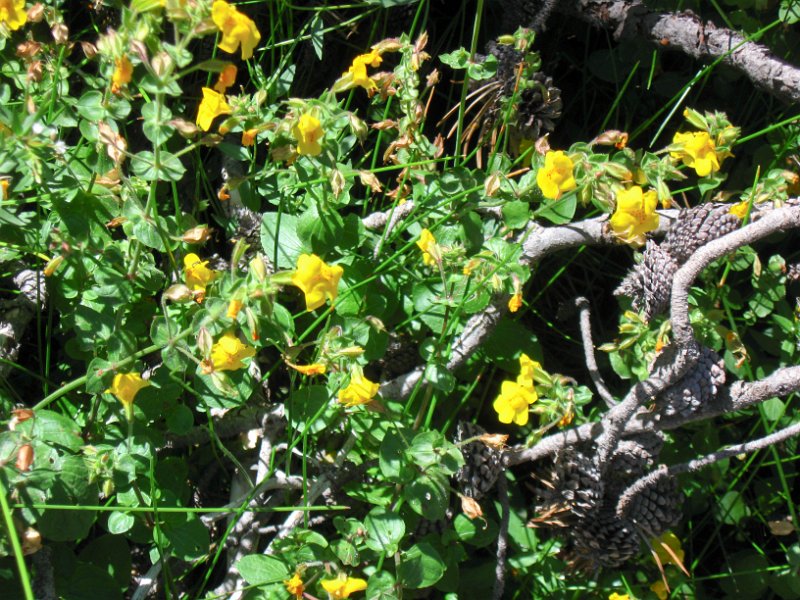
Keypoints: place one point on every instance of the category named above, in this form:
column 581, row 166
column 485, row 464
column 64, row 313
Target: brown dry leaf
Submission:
column 116, row 146
column 783, row 526
column 384, row 125
column 470, row 507
column 371, row 181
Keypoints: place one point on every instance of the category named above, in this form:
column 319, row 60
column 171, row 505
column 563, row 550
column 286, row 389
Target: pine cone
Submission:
column 482, row 464
column 698, row 386
column 633, row 458
column 656, row 508
column 649, row 284
column 604, row 541
column 695, row 227
column 539, row 107
column 401, row 357
column 572, row 491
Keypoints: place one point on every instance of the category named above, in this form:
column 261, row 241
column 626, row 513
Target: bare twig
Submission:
column 688, row 33
column 502, row 538
column 700, row 463
column 588, row 352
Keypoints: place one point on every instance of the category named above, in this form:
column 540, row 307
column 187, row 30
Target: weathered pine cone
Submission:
column 656, row 508
column 699, row 385
column 571, row 491
column 695, row 227
column 649, row 284
column 482, row 464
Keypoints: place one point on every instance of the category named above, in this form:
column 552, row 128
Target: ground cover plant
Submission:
column 399, row 299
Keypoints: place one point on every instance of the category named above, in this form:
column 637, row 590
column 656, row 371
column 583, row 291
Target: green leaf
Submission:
column 90, row 106
column 423, row 448
column 168, row 167
column 304, row 406
column 476, row 532
column 516, row 214
column 385, row 530
column 345, row 552
column 732, row 508
column 187, row 535
column 440, row 377
column 280, row 239
column 428, row 495
column 180, row 419
column 391, row 457
column 88, row 582
column 381, row 586
column 120, row 522
column 420, row 567
column 112, row 554
column 559, row 211
column 257, row 569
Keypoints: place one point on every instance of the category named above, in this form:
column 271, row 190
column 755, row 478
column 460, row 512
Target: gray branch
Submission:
column 688, row 33
column 588, row 352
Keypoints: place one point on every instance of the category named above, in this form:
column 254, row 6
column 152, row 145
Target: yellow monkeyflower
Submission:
column 515, row 302
column 123, row 71
column 427, row 243
column 237, row 28
column 13, row 14
column 697, row 151
column 295, row 586
column 309, row 370
column 249, row 137
column 343, row 587
column 227, row 353
column 317, row 280
column 527, row 370
column 635, row 215
column 234, row 306
column 739, row 210
column 616, row 596
column 556, row 176
column 212, row 106
column 227, row 78
column 125, row 386
column 197, row 275
column 513, row 401
column 308, row 132
column 360, row 390
column 356, row 74
column 4, row 183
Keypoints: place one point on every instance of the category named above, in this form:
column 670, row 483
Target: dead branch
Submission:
column 688, row 33
column 588, row 352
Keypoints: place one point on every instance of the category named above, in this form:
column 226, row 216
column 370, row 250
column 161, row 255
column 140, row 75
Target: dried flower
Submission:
column 556, row 176
column 360, row 390
column 212, row 106
column 227, row 353
column 317, row 280
column 635, row 215
column 227, row 77
column 308, row 132
column 237, row 28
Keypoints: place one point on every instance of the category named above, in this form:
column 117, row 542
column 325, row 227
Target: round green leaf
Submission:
column 420, row 567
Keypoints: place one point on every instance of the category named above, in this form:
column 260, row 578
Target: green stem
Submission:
column 19, row 558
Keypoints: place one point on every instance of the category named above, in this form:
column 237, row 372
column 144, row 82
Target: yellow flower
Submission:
column 343, row 587
column 308, row 132
column 295, row 586
column 236, row 28
column 360, row 390
column 4, row 183
column 356, row 74
column 212, row 106
column 556, row 177
column 123, row 71
column 635, row 215
column 427, row 243
column 317, row 280
column 197, row 275
column 659, row 588
column 249, row 137
column 515, row 302
column 674, row 543
column 739, row 210
column 512, row 403
column 227, row 78
column 13, row 14
column 125, row 386
column 527, row 370
column 227, row 353
column 697, row 151
column 616, row 596
column 309, row 370
column 234, row 306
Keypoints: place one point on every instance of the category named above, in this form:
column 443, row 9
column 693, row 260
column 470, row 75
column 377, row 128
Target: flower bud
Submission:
column 204, row 341
column 239, row 248
column 351, row 351
column 258, row 268
column 252, row 324
column 53, row 264
column 20, row 415
column 695, row 119
column 162, row 64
